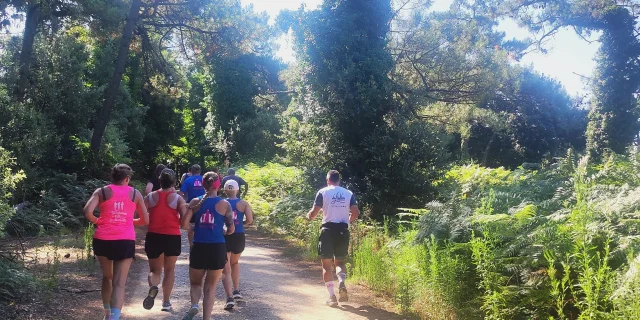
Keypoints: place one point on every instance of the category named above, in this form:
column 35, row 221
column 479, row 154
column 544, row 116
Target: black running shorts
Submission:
column 334, row 241
column 114, row 249
column 235, row 242
column 157, row 244
column 208, row 256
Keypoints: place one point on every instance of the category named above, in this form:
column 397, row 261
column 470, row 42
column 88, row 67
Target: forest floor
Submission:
column 276, row 284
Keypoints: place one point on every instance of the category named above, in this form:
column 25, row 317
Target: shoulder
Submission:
column 222, row 203
column 323, row 190
column 194, row 202
column 346, row 190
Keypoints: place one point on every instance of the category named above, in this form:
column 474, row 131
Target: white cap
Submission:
column 231, row 185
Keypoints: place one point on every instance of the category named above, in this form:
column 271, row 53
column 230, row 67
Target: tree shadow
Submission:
column 370, row 312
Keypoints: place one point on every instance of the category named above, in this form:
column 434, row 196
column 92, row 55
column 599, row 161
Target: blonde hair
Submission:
column 208, row 180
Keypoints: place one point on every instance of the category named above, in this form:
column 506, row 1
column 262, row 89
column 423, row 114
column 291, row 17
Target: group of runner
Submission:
column 216, row 234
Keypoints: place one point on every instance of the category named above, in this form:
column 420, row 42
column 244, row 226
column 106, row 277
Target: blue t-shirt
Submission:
column 192, row 187
column 238, row 216
column 209, row 223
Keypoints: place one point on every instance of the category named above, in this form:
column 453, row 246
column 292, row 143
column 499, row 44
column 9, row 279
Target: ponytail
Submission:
column 208, row 181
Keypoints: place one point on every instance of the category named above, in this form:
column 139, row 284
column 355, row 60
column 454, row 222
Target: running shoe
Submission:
column 237, row 295
column 166, row 306
column 230, row 304
column 332, row 302
column 342, row 293
column 149, row 300
column 192, row 313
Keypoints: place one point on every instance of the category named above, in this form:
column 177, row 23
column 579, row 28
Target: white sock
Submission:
column 330, row 288
column 341, row 278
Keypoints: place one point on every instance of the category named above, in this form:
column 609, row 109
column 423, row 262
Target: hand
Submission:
column 98, row 222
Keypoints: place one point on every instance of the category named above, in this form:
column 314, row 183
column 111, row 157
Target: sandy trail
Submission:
column 274, row 287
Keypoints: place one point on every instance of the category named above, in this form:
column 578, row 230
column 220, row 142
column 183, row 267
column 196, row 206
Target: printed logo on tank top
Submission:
column 197, row 184
column 207, row 220
column 118, row 215
column 235, row 217
column 338, row 198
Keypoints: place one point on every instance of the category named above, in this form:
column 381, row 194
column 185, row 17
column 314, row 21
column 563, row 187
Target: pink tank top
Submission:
column 116, row 216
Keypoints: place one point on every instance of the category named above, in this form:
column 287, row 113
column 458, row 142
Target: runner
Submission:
column 154, row 183
column 208, row 253
column 185, row 176
column 231, row 175
column 163, row 244
column 114, row 238
column 339, row 208
column 191, row 189
column 235, row 243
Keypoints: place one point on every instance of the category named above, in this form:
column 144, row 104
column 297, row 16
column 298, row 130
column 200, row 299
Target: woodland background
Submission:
column 524, row 199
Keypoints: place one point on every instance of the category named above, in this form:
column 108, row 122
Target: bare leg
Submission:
column 235, row 270
column 120, row 273
column 226, row 277
column 195, row 277
column 169, row 277
column 327, row 272
column 340, row 266
column 155, row 270
column 210, row 292
column 107, row 277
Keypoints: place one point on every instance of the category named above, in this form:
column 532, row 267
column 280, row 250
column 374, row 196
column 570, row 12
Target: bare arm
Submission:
column 142, row 211
column 248, row 213
column 313, row 213
column 182, row 206
column 231, row 228
column 91, row 206
column 355, row 213
column 149, row 188
column 246, row 189
column 186, row 218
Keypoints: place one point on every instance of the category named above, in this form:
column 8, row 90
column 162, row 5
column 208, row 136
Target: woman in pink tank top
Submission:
column 114, row 239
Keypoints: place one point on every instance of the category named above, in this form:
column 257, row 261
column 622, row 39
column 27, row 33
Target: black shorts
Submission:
column 334, row 241
column 114, row 249
column 235, row 242
column 208, row 256
column 156, row 244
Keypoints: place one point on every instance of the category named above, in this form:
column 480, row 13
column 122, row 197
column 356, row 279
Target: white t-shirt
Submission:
column 335, row 202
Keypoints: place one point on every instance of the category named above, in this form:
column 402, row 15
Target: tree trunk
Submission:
column 114, row 84
column 30, row 31
column 464, row 148
column 485, row 157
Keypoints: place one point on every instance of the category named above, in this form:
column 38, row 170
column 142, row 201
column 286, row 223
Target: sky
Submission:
column 569, row 58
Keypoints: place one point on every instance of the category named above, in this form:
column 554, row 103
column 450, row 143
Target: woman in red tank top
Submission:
column 163, row 243
column 114, row 239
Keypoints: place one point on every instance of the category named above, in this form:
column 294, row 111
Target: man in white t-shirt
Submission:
column 339, row 208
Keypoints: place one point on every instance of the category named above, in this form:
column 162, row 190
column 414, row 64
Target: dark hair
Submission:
column 167, row 178
column 195, row 169
column 156, row 174
column 119, row 172
column 333, row 176
column 231, row 171
column 207, row 181
column 215, row 170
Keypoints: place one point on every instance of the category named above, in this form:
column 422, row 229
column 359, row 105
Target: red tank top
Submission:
column 162, row 218
column 116, row 216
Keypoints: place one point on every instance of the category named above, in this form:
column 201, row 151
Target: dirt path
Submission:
column 274, row 287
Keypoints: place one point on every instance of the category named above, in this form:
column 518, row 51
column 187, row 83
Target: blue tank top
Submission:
column 209, row 222
column 238, row 216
